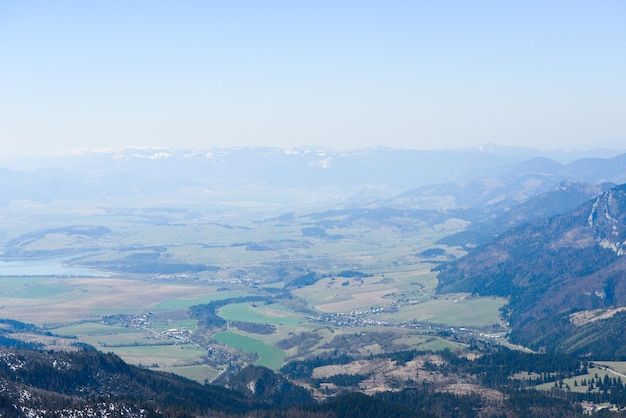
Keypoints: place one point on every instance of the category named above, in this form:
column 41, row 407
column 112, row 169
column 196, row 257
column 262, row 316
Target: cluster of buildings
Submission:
column 145, row 322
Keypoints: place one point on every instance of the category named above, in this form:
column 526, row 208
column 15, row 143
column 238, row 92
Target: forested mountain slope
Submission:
column 551, row 267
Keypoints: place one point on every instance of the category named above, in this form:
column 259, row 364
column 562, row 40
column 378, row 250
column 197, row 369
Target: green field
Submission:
column 422, row 342
column 40, row 290
column 183, row 304
column 274, row 314
column 269, row 356
column 457, row 310
column 162, row 355
column 111, row 338
column 131, row 342
column 147, row 347
column 92, row 329
column 33, row 287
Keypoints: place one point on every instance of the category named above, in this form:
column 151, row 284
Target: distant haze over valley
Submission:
column 306, row 274
column 370, row 171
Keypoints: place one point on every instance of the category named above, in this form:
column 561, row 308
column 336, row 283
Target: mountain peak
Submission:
column 608, row 219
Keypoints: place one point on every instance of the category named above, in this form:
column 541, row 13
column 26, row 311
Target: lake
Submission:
column 45, row 267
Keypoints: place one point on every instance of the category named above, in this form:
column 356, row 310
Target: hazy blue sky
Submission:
column 341, row 74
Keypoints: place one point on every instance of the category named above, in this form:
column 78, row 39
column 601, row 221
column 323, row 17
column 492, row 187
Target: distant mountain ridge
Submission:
column 514, row 183
column 564, row 197
column 482, row 175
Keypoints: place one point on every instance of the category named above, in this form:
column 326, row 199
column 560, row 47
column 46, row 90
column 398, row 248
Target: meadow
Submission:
column 575, row 384
column 458, row 311
column 269, row 356
column 274, row 314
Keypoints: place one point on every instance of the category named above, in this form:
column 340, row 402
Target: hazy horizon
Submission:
column 563, row 155
column 348, row 75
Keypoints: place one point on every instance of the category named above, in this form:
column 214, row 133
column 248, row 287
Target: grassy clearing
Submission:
column 141, row 346
column 115, row 342
column 274, row 314
column 163, row 356
column 200, row 373
column 618, row 366
column 575, row 383
column 412, row 342
column 107, row 337
column 42, row 291
column 456, row 310
column 269, row 356
column 423, row 342
column 177, row 304
column 420, row 282
column 10, row 284
column 343, row 294
column 35, row 288
column 92, row 328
